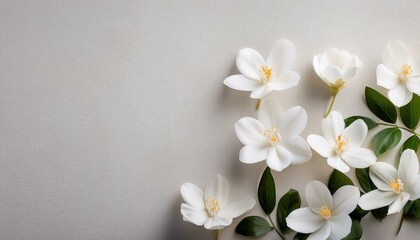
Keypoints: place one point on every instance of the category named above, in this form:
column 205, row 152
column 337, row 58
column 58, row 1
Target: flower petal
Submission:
column 260, row 92
column 336, row 162
column 253, row 153
column 293, row 121
column 332, row 74
column 193, row 195
column 413, row 85
column 408, row 170
column 285, row 81
column 350, row 73
column 332, row 126
column 250, row 131
column 382, row 174
column 219, row 189
column 317, row 66
column 359, row 157
column 217, row 222
column 340, row 226
column 249, row 63
column 413, row 190
column 269, row 113
column 322, row 233
column 400, row 95
column 278, row 158
column 330, row 57
column 236, row 208
column 399, row 203
column 193, row 215
column 304, row 220
column 320, row 145
column 376, row 199
column 395, row 55
column 317, row 196
column 356, row 133
column 345, row 199
column 241, row 83
column 282, row 56
column 299, row 148
column 385, row 77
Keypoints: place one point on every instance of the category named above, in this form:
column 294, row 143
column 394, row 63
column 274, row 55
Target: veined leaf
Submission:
column 380, row 105
column 410, row 113
column 337, row 180
column 369, row 122
column 267, row 191
column 386, row 140
column 356, row 231
column 253, row 226
column 412, row 142
column 289, row 202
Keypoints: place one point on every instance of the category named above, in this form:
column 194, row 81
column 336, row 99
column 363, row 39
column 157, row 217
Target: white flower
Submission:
column 336, row 67
column 395, row 187
column 274, row 137
column 327, row 216
column 212, row 207
column 400, row 72
column 341, row 146
column 261, row 77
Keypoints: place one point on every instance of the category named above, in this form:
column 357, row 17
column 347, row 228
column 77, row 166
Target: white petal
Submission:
column 253, row 153
column 193, row 215
column 336, row 162
column 219, row 189
column 278, row 158
column 356, row 133
column 330, row 57
column 236, row 208
column 400, row 95
column 193, row 195
column 359, row 157
column 395, row 55
column 345, row 199
column 340, row 226
column 413, row 190
column 350, row 73
column 282, row 56
column 293, row 121
column 320, row 145
column 299, row 148
column 408, row 169
column 332, row 126
column 250, row 131
column 413, row 85
column 304, row 220
column 287, row 80
column 249, row 63
column 269, row 113
column 332, row 74
column 241, row 83
column 322, row 233
column 385, row 77
column 217, row 222
column 317, row 67
column 376, row 199
column 399, row 203
column 261, row 91
column 382, row 174
column 317, row 196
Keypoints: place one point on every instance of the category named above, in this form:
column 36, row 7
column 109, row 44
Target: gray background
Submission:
column 107, row 107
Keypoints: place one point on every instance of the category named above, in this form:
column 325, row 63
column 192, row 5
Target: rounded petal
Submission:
column 385, row 77
column 376, row 199
column 304, row 220
column 317, row 67
column 345, row 199
column 249, row 63
column 350, row 73
column 408, row 169
column 193, row 196
column 359, row 157
column 317, row 196
column 219, row 189
column 299, row 148
column 332, row 74
column 236, row 208
column 241, row 83
column 217, row 223
column 253, row 153
column 399, row 203
column 330, row 57
column 282, row 56
column 395, row 55
column 285, row 81
column 340, row 226
column 322, row 233
column 356, row 133
column 278, row 158
column 250, row 131
column 293, row 121
column 413, row 85
column 270, row 113
column 400, row 95
column 382, row 174
column 320, row 145
column 413, row 190
column 193, row 215
column 336, row 162
column 332, row 126
column 260, row 92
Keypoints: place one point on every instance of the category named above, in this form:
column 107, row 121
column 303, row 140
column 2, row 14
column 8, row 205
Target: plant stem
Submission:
column 395, row 125
column 401, row 222
column 217, row 234
column 275, row 228
column 258, row 104
column 334, row 96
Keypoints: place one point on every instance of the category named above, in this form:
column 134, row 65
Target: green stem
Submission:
column 275, row 228
column 395, row 125
column 334, row 96
column 401, row 222
column 217, row 234
column 258, row 104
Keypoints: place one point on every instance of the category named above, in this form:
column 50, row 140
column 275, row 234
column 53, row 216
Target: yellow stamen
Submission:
column 341, row 143
column 396, row 185
column 213, row 206
column 272, row 136
column 406, row 71
column 325, row 212
column 265, row 74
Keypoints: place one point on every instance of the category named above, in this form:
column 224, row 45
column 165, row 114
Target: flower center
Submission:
column 342, row 143
column 406, row 71
column 265, row 74
column 325, row 212
column 213, row 206
column 272, row 136
column 396, row 185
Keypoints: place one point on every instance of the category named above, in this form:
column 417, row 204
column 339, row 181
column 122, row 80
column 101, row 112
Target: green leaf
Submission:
column 386, row 140
column 358, row 213
column 267, row 191
column 380, row 213
column 362, row 175
column 410, row 113
column 356, row 231
column 337, row 180
column 369, row 122
column 380, row 105
column 412, row 142
column 300, row 236
column 289, row 202
column 413, row 209
column 253, row 226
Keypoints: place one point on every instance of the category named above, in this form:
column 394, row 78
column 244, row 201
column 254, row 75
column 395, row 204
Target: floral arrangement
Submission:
column 334, row 210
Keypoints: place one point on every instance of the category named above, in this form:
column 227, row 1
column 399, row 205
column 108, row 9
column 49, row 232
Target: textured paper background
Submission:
column 107, row 107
